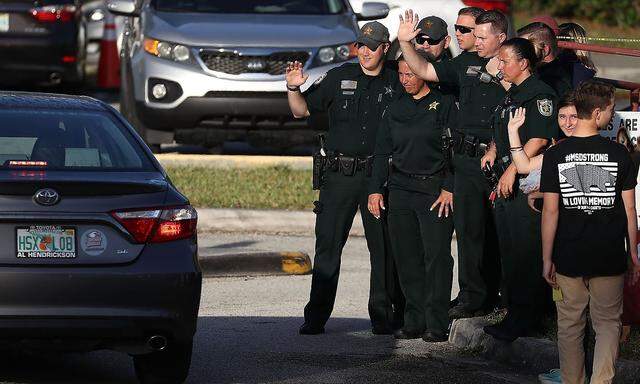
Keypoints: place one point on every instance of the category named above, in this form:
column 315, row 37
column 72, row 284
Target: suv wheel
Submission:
column 128, row 106
column 170, row 366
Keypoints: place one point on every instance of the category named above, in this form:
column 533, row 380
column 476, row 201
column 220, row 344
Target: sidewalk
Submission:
column 263, row 221
column 234, row 161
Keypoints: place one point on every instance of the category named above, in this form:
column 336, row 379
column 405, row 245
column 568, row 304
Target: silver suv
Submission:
column 208, row 71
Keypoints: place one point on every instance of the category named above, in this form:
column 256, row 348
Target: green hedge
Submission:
column 621, row 13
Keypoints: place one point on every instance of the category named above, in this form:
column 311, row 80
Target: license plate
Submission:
column 4, row 22
column 46, row 241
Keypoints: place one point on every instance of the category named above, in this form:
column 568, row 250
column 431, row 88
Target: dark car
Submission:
column 99, row 249
column 41, row 41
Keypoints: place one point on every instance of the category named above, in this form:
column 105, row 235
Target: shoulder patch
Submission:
column 319, row 79
column 545, row 107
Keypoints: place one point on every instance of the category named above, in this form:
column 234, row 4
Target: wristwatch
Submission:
column 293, row 89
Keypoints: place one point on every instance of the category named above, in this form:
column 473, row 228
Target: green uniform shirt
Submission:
column 540, row 119
column 556, row 75
column 411, row 133
column 477, row 100
column 355, row 103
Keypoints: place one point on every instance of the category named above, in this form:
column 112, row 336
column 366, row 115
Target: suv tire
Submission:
column 170, row 366
column 128, row 107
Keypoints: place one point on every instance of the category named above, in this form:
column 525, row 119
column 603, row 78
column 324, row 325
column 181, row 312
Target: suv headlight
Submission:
column 166, row 50
column 336, row 54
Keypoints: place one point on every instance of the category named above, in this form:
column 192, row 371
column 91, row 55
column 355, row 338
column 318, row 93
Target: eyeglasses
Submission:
column 462, row 29
column 421, row 39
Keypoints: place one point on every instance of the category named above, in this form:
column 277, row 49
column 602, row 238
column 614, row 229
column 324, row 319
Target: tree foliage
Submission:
column 621, row 13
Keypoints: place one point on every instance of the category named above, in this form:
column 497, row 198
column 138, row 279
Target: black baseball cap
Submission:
column 373, row 34
column 434, row 27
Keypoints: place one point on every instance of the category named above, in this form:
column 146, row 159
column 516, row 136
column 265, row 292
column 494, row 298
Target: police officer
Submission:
column 420, row 202
column 519, row 226
column 433, row 41
column 550, row 70
column 478, row 257
column 356, row 97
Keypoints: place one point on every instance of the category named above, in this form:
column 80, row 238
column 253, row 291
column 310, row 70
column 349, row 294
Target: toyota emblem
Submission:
column 46, row 196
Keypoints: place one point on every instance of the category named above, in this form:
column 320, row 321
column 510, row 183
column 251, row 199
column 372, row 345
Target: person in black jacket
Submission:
column 420, row 208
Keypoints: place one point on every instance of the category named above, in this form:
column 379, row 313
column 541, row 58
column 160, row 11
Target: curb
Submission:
column 535, row 354
column 256, row 263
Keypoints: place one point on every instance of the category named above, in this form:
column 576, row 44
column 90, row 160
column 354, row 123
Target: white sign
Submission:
column 623, row 121
column 628, row 122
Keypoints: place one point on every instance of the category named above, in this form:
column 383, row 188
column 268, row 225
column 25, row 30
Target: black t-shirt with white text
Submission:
column 589, row 174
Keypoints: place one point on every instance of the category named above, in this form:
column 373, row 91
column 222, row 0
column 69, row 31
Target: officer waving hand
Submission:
column 356, row 96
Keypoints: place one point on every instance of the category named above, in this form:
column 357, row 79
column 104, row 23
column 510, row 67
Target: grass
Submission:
column 259, row 188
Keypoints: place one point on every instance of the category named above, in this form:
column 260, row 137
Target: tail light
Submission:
column 54, row 13
column 487, row 5
column 155, row 225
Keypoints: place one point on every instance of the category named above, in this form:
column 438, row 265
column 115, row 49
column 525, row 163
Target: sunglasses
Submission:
column 360, row 45
column 421, row 39
column 462, row 29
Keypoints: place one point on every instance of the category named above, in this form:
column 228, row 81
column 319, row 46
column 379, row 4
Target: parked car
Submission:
column 98, row 247
column 41, row 41
column 203, row 72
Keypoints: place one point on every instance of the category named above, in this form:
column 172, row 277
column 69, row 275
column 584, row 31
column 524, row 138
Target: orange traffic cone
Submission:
column 109, row 64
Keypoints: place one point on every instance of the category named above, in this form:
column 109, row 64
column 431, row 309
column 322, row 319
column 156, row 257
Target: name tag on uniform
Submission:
column 348, row 93
column 473, row 70
column 348, row 84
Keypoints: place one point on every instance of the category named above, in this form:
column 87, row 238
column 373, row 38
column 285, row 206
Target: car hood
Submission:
column 234, row 30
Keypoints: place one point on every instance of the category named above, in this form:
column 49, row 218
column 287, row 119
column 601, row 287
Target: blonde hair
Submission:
column 575, row 32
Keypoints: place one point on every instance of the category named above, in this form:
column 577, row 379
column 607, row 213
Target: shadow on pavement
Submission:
column 269, row 349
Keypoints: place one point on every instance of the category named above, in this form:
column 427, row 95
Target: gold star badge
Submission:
column 434, row 105
column 367, row 31
column 428, row 24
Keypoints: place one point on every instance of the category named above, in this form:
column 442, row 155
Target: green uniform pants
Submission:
column 421, row 243
column 340, row 198
column 478, row 252
column 521, row 249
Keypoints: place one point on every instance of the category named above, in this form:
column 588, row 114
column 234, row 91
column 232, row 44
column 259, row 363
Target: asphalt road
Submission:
column 247, row 333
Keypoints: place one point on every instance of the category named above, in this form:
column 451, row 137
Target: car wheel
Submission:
column 128, row 103
column 170, row 366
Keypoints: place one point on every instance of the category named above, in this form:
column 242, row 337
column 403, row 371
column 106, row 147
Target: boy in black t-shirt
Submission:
column 588, row 230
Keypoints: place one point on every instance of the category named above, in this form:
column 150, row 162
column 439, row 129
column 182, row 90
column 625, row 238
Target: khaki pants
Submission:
column 603, row 296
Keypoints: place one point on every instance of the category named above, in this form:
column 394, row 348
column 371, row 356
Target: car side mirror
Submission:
column 122, row 7
column 373, row 11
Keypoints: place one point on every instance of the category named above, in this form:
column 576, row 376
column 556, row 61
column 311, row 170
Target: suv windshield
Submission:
column 79, row 140
column 293, row 7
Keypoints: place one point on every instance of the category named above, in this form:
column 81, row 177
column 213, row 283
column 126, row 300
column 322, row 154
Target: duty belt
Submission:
column 419, row 176
column 349, row 165
column 469, row 145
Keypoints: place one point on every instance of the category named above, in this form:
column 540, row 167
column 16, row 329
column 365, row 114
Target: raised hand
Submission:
column 295, row 76
column 407, row 30
column 516, row 119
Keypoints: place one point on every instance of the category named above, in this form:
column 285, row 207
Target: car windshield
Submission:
column 79, row 140
column 293, row 7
